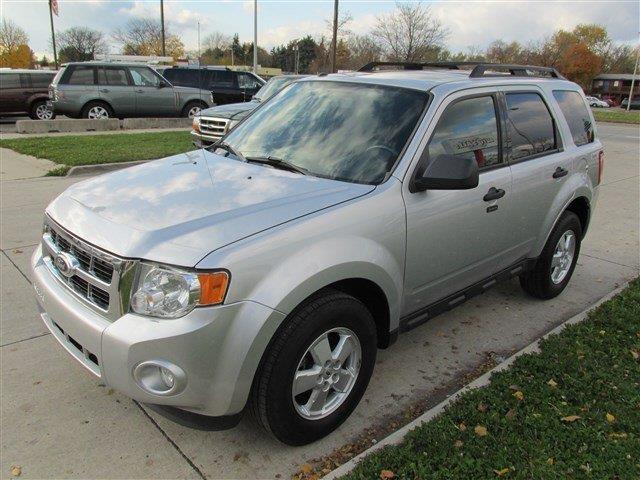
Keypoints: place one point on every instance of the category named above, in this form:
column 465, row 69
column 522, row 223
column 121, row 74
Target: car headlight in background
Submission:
column 196, row 123
column 167, row 292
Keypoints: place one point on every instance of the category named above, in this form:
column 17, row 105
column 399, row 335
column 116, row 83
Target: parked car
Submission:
column 213, row 123
column 266, row 271
column 98, row 90
column 596, row 102
column 226, row 86
column 26, row 92
column 635, row 103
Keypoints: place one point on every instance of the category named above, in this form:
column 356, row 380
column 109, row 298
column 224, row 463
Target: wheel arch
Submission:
column 582, row 208
column 96, row 100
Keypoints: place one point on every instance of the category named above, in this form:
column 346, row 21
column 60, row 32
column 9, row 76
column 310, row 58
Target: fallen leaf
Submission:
column 306, row 468
column 462, row 427
column 16, row 470
column 550, row 461
column 519, row 395
column 458, row 444
column 602, row 332
column 552, row 383
column 510, row 414
column 610, row 418
column 618, row 435
column 17, row 250
column 502, row 472
column 570, row 418
column 385, row 474
column 480, row 431
column 482, row 407
column 635, row 355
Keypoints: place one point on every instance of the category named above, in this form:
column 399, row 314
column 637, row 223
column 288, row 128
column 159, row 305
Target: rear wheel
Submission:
column 40, row 111
column 192, row 109
column 316, row 369
column 97, row 111
column 556, row 263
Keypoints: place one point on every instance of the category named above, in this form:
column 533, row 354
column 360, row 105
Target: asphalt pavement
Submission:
column 58, row 421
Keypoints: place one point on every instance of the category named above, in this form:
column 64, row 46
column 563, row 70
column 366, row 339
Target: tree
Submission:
column 216, row 41
column 79, row 44
column 14, row 51
column 143, row 36
column 409, row 33
column 502, row 52
column 19, row 57
column 363, row 49
column 44, row 61
column 580, row 65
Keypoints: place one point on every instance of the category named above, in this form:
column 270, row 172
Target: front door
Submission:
column 153, row 96
column 224, row 87
column 456, row 238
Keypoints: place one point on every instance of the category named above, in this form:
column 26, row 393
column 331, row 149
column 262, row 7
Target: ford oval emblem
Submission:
column 66, row 264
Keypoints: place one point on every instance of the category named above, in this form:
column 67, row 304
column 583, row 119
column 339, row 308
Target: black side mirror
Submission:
column 162, row 84
column 447, row 172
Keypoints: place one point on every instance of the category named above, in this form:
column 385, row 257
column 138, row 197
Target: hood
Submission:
column 179, row 209
column 231, row 110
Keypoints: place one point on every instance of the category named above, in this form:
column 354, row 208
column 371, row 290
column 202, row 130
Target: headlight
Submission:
column 231, row 124
column 196, row 123
column 166, row 292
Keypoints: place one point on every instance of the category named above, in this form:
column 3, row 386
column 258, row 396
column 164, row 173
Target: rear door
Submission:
column 153, row 96
column 539, row 164
column 116, row 88
column 456, row 238
column 11, row 93
column 225, row 89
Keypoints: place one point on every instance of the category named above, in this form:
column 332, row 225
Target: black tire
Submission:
column 272, row 403
column 35, row 106
column 538, row 282
column 192, row 104
column 87, row 108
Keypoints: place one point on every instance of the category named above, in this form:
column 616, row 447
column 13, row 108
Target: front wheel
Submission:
column 558, row 259
column 192, row 109
column 316, row 369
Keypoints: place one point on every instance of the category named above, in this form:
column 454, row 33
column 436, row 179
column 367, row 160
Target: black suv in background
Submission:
column 225, row 85
column 26, row 91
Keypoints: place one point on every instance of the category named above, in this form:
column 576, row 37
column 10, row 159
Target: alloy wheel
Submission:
column 563, row 256
column 43, row 113
column 193, row 111
column 98, row 113
column 327, row 373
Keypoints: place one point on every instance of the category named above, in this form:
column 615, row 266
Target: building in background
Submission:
column 615, row 86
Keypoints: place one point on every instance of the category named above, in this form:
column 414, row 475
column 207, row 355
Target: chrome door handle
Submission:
column 493, row 194
column 104, row 90
column 560, row 172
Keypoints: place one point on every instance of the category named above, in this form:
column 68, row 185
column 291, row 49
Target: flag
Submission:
column 54, row 6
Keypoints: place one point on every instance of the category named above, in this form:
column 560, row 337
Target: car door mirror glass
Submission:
column 448, row 172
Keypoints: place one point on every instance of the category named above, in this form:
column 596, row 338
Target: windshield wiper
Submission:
column 277, row 163
column 230, row 149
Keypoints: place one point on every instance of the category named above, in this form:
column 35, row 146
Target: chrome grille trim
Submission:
column 214, row 127
column 98, row 279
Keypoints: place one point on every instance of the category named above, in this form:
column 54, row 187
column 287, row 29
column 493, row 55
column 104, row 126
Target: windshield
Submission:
column 272, row 86
column 338, row 130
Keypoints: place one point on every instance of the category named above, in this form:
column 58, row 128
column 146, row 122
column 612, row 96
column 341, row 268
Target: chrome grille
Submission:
column 98, row 276
column 214, row 127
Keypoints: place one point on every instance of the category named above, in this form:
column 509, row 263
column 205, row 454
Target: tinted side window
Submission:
column 116, row 76
column 468, row 128
column 530, row 128
column 9, row 80
column 249, row 82
column 82, row 76
column 223, row 78
column 577, row 116
column 41, row 80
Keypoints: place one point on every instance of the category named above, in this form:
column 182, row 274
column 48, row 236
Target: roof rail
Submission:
column 480, row 69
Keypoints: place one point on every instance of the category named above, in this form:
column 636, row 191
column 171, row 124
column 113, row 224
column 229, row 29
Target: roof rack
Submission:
column 480, row 69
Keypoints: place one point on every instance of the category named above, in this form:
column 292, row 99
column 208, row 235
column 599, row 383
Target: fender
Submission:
column 35, row 97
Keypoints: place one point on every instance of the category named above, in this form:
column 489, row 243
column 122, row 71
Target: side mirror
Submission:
column 162, row 84
column 448, row 172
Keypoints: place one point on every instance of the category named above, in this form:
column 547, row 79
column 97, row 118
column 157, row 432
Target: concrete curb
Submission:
column 68, row 125
column 81, row 170
column 398, row 436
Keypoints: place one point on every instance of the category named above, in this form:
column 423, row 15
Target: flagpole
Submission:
column 164, row 48
column 53, row 36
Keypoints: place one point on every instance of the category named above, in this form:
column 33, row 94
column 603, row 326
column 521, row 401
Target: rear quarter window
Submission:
column 575, row 112
column 80, row 75
column 41, row 80
column 530, row 127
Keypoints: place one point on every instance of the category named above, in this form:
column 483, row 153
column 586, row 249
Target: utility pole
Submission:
column 164, row 48
column 53, row 32
column 255, row 36
column 633, row 79
column 334, row 46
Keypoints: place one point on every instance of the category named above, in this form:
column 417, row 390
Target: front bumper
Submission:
column 200, row 139
column 219, row 348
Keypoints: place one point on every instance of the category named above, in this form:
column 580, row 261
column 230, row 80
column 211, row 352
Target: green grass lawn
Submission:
column 616, row 115
column 571, row 411
column 75, row 150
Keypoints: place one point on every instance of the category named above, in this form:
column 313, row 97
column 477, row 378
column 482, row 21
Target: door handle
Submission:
column 560, row 172
column 139, row 91
column 493, row 194
column 104, row 90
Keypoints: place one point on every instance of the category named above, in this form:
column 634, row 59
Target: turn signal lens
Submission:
column 196, row 124
column 213, row 287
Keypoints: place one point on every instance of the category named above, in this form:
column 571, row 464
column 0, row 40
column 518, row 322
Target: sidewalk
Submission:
column 16, row 166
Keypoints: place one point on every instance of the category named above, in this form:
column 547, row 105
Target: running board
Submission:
column 412, row 320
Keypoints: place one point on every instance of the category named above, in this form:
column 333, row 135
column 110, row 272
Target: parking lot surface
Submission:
column 58, row 421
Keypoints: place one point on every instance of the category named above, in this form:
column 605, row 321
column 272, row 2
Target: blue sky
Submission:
column 471, row 23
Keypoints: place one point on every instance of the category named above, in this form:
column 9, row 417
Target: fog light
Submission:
column 160, row 377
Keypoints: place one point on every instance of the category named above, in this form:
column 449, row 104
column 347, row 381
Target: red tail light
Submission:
column 600, row 166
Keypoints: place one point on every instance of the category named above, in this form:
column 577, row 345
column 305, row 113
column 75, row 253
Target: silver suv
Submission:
column 266, row 271
column 98, row 90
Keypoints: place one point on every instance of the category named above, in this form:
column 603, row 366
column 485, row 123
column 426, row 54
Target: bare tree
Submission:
column 143, row 36
column 409, row 33
column 344, row 19
column 81, row 44
column 363, row 49
column 11, row 36
column 216, row 41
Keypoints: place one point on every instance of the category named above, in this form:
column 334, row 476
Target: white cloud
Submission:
column 181, row 17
